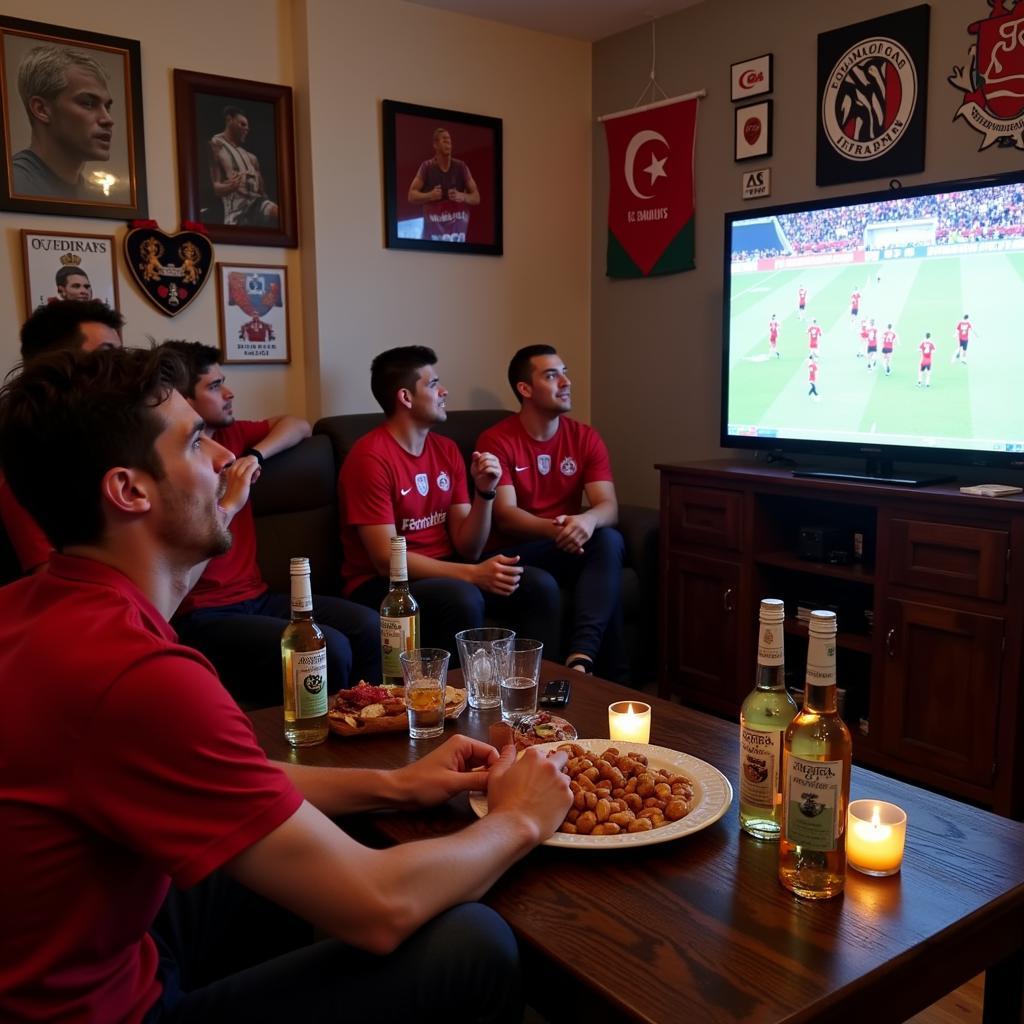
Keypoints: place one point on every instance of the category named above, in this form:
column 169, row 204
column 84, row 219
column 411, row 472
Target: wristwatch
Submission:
column 487, row 495
column 255, row 453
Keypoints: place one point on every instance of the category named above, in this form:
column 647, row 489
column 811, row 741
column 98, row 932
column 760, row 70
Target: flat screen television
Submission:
column 888, row 325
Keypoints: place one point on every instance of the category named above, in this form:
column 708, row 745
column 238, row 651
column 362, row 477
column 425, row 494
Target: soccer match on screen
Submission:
column 895, row 321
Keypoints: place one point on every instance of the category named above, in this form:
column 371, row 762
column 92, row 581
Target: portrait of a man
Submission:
column 72, row 122
column 73, row 283
column 61, row 267
column 236, row 176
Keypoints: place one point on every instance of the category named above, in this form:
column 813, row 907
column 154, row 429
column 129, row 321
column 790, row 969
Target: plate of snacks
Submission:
column 632, row 794
column 364, row 709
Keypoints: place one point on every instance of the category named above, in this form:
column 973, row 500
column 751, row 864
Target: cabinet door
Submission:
column 940, row 696
column 702, row 627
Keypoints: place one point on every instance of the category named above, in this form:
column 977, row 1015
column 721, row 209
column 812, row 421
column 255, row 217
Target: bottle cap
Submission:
column 298, row 567
column 822, row 623
column 397, row 542
column 772, row 610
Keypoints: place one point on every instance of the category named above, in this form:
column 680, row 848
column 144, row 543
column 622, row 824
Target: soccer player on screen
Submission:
column 773, row 337
column 854, row 307
column 888, row 344
column 924, row 372
column 863, row 343
column 812, row 379
column 963, row 336
column 801, row 301
column 813, row 338
column 872, row 344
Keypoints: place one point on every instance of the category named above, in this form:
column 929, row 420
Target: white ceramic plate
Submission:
column 712, row 797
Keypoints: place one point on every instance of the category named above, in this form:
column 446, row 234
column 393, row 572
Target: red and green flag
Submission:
column 650, row 199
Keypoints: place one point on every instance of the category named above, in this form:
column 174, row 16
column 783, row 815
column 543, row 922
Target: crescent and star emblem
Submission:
column 656, row 168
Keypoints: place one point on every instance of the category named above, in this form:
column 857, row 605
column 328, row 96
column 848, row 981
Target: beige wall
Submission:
column 656, row 344
column 352, row 297
column 474, row 310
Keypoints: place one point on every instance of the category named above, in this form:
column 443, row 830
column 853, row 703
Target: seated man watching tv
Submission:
column 548, row 462
column 229, row 614
column 402, row 478
column 146, row 773
column 86, row 326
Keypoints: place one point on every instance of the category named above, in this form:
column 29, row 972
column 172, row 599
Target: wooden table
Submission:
column 699, row 930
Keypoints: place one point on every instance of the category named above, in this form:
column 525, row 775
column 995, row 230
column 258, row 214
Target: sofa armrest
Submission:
column 639, row 528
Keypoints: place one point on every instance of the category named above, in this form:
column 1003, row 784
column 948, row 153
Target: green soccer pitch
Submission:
column 964, row 403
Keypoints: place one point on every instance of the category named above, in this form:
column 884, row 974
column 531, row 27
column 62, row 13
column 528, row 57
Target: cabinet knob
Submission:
column 889, row 638
column 727, row 602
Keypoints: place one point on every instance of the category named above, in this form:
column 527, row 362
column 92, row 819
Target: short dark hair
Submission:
column 58, row 325
column 519, row 369
column 230, row 112
column 398, row 368
column 62, row 275
column 197, row 359
column 84, row 412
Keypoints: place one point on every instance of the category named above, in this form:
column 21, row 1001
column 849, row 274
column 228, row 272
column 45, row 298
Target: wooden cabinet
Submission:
column 930, row 619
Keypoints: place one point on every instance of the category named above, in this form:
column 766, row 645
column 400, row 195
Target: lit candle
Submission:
column 629, row 720
column 875, row 835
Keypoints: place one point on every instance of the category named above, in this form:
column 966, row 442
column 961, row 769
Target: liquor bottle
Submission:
column 766, row 712
column 816, row 757
column 304, row 664
column 399, row 616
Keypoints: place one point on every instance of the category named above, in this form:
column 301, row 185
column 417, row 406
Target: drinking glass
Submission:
column 484, row 655
column 426, row 672
column 519, row 687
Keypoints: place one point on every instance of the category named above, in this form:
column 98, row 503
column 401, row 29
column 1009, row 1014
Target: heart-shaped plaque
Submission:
column 171, row 270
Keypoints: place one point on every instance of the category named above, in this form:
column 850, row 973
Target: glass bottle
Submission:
column 304, row 665
column 764, row 716
column 817, row 753
column 399, row 616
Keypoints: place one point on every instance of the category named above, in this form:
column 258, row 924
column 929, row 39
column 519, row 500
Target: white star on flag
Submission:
column 656, row 168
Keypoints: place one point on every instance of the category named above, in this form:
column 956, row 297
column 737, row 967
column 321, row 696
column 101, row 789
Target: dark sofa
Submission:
column 295, row 505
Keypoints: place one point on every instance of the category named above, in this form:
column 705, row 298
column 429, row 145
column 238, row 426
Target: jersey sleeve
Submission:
column 599, row 463
column 366, row 490
column 173, row 770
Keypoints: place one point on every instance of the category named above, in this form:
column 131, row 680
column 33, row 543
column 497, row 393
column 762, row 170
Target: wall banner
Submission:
column 872, row 98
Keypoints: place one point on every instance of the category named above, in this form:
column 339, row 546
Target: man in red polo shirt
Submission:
column 83, row 325
column 126, row 766
column 549, row 461
column 230, row 614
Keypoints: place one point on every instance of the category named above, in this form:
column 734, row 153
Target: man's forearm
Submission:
column 336, row 791
column 470, row 536
column 604, row 513
column 513, row 519
column 286, row 432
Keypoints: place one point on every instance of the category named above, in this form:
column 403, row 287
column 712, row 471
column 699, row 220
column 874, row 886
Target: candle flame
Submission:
column 876, row 818
column 629, row 709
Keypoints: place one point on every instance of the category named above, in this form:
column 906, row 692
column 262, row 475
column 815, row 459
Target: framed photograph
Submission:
column 72, row 122
column 236, row 158
column 753, row 130
column 751, row 78
column 61, row 266
column 252, row 308
column 442, row 180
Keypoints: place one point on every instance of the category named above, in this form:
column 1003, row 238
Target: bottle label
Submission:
column 309, row 682
column 821, row 662
column 399, row 572
column 396, row 635
column 769, row 644
column 760, row 754
column 812, row 803
column 302, row 596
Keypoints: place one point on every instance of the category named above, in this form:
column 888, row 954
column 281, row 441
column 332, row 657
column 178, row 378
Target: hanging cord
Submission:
column 652, row 83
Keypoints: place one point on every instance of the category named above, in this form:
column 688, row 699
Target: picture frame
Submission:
column 454, row 225
column 252, row 313
column 753, row 134
column 100, row 157
column 60, row 265
column 234, row 128
column 750, row 78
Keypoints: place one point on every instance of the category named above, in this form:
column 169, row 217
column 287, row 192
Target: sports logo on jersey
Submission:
column 993, row 79
column 443, row 481
column 544, row 464
column 568, row 466
column 872, row 88
column 422, row 484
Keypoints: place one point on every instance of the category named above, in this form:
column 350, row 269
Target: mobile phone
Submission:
column 555, row 694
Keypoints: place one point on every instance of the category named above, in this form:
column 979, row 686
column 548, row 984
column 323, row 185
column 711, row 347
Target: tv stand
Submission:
column 877, row 471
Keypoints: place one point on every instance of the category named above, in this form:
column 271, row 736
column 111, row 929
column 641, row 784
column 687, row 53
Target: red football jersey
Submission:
column 812, row 372
column 872, row 335
column 963, row 330
column 813, row 335
column 927, row 348
column 889, row 340
column 855, row 300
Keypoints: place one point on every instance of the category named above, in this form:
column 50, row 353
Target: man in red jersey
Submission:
column 773, row 337
column 963, row 336
column 812, row 379
column 150, row 774
column 85, row 325
column 888, row 345
column 549, row 461
column 924, row 371
column 854, row 306
column 813, row 339
column 871, row 351
column 801, row 301
column 404, row 479
column 230, row 614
